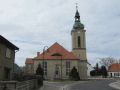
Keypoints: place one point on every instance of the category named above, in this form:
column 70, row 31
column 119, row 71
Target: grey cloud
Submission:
column 28, row 42
column 36, row 23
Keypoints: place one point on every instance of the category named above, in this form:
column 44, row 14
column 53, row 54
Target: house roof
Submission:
column 56, row 51
column 29, row 61
column 114, row 67
column 8, row 43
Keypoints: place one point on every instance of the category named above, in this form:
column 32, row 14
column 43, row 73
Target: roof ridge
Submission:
column 6, row 41
column 57, row 48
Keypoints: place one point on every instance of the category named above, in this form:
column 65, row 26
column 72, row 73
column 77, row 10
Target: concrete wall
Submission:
column 14, row 85
column 51, row 67
column 114, row 74
column 6, row 62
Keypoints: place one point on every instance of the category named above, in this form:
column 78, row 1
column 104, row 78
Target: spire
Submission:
column 77, row 24
column 76, row 6
column 77, row 16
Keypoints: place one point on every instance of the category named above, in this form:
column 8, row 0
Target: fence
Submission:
column 14, row 85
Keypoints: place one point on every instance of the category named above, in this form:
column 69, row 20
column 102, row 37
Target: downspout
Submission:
column 14, row 60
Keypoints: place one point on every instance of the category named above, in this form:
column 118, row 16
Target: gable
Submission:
column 57, row 48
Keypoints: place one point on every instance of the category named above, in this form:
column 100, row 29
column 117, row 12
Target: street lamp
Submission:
column 58, row 54
column 44, row 49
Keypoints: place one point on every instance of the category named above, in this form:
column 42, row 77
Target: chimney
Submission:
column 38, row 53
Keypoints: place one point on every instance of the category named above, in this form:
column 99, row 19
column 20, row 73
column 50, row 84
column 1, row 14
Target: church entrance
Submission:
column 57, row 72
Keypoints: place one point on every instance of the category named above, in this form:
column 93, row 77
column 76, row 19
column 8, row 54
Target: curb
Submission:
column 115, row 85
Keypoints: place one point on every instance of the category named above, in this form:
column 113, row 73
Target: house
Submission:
column 7, row 57
column 63, row 60
column 29, row 66
column 114, row 70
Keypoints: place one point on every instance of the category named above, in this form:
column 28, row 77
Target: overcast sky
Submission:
column 33, row 24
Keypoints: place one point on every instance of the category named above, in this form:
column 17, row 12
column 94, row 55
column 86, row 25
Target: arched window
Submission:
column 79, row 41
column 45, row 67
column 67, row 68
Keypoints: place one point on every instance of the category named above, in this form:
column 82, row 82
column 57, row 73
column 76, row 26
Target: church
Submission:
column 57, row 62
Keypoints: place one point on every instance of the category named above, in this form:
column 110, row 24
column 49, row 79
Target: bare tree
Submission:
column 107, row 61
column 97, row 66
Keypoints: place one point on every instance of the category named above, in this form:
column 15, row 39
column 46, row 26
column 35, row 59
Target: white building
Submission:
column 114, row 70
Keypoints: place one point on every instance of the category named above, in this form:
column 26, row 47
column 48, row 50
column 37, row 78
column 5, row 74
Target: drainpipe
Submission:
column 14, row 59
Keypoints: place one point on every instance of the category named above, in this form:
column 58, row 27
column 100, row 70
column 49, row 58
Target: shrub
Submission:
column 74, row 75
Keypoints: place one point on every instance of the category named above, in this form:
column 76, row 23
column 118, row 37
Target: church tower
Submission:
column 79, row 45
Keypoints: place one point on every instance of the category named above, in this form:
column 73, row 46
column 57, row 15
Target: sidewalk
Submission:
column 115, row 85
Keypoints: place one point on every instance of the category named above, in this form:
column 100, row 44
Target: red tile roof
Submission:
column 114, row 67
column 57, row 48
column 29, row 61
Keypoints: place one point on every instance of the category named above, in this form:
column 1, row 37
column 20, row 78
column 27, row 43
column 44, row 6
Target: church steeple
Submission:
column 77, row 24
column 79, row 44
column 77, row 16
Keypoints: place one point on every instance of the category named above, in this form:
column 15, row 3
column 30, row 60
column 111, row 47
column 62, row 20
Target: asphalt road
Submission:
column 93, row 85
column 52, row 86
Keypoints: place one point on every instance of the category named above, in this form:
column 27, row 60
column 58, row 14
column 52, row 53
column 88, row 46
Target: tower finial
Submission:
column 76, row 6
column 77, row 16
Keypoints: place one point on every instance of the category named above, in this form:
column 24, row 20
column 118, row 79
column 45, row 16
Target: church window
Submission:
column 57, row 71
column 67, row 68
column 79, row 41
column 45, row 68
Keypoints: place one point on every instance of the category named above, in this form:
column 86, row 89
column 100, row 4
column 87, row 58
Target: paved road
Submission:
column 93, row 85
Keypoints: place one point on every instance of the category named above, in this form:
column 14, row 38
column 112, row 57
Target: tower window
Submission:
column 79, row 41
